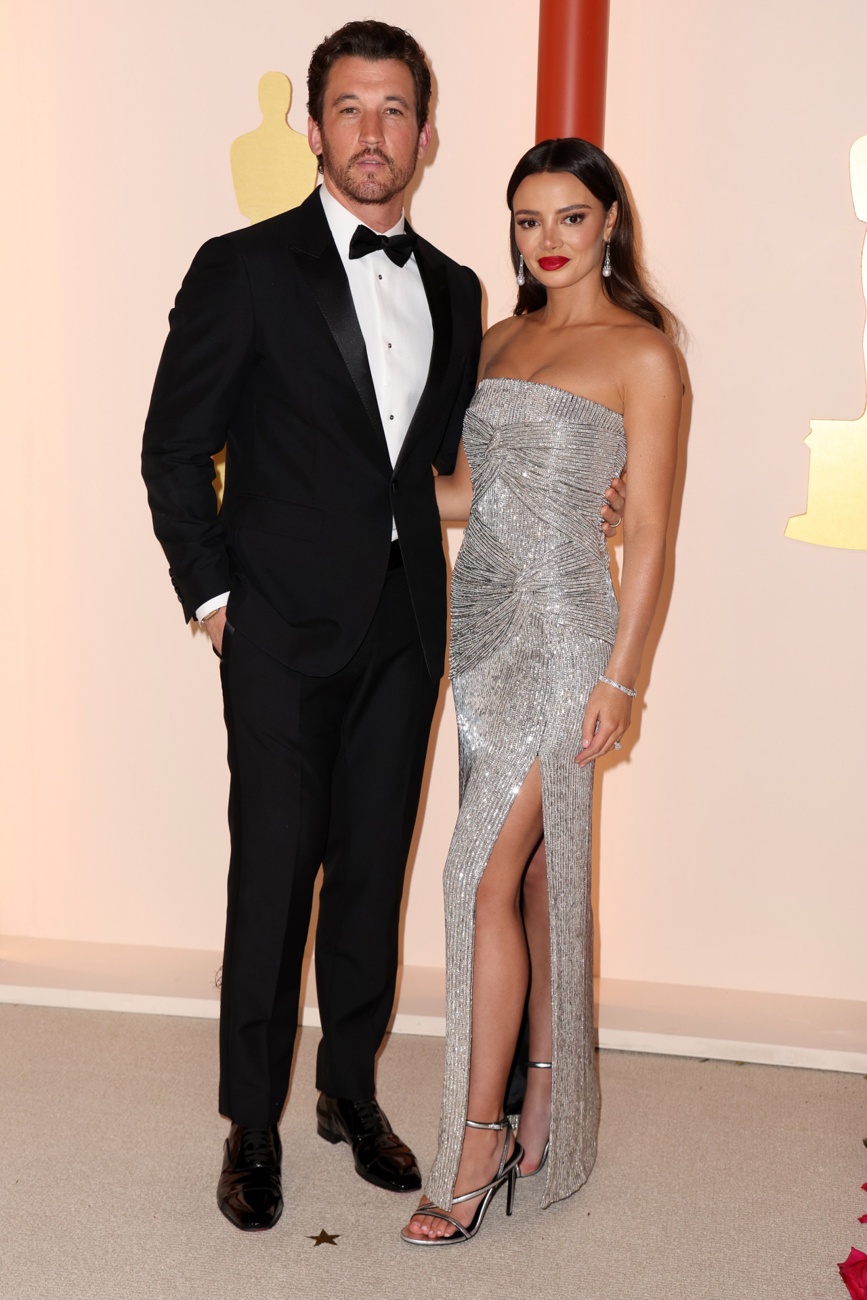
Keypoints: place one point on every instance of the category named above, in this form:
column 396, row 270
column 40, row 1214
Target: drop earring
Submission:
column 606, row 265
column 520, row 276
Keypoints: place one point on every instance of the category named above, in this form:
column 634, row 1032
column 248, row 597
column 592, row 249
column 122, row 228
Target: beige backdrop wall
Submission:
column 730, row 844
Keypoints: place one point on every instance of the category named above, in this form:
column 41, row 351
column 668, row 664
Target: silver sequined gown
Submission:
column 533, row 620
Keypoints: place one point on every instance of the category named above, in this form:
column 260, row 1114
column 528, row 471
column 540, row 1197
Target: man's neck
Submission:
column 378, row 216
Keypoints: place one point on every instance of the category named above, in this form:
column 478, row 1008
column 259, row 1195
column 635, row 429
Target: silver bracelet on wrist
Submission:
column 627, row 690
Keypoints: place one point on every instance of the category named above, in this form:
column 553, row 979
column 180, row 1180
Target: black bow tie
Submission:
column 399, row 248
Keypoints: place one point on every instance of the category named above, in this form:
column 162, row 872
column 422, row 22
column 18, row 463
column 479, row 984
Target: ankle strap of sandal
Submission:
column 499, row 1126
column 539, row 1065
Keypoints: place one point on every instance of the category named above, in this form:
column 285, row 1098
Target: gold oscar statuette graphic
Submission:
column 272, row 167
column 837, row 493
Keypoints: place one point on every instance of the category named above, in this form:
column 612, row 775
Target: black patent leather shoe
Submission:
column 380, row 1156
column 249, row 1192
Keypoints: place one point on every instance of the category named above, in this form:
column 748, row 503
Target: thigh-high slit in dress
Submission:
column 533, row 620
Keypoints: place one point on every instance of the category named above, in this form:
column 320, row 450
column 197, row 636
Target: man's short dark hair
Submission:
column 373, row 41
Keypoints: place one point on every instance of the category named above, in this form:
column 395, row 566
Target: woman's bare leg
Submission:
column 535, row 1126
column 500, row 974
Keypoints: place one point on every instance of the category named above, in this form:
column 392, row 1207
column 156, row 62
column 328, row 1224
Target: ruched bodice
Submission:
column 541, row 459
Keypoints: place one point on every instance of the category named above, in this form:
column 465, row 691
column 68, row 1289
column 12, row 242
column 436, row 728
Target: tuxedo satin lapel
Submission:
column 324, row 273
column 433, row 277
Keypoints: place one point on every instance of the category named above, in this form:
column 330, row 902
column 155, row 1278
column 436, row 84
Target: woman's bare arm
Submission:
column 651, row 417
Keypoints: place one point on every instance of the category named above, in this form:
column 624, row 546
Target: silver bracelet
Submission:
column 627, row 690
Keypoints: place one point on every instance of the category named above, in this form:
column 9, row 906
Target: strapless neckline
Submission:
column 537, row 383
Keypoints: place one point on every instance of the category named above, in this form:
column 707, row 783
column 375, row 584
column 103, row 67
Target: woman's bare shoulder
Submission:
column 647, row 350
column 508, row 325
column 499, row 335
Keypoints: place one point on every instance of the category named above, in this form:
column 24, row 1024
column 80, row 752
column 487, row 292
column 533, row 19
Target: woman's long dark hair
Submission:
column 626, row 286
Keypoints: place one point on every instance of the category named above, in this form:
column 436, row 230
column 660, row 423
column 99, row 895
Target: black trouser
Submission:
column 324, row 770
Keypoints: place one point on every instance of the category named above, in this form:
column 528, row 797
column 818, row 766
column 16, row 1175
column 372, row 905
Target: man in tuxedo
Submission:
column 334, row 353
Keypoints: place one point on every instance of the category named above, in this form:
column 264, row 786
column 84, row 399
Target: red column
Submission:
column 573, row 60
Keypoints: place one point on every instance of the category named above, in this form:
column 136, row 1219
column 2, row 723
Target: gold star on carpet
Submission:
column 324, row 1238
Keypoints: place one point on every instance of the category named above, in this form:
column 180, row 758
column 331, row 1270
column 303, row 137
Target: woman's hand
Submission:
column 606, row 718
column 612, row 510
column 454, row 492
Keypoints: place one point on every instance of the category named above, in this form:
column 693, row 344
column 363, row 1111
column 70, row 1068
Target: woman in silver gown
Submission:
column 543, row 671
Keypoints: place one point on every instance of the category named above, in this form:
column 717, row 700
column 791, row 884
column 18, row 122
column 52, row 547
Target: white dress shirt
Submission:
column 392, row 310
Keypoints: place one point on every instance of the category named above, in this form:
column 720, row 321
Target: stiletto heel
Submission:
column 510, row 1189
column 538, row 1065
column 507, row 1172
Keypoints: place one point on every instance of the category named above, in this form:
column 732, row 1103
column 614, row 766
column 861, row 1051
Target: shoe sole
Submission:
column 258, row 1227
column 329, row 1135
column 454, row 1239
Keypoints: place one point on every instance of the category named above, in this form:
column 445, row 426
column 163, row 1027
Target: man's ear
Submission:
column 424, row 136
column 314, row 137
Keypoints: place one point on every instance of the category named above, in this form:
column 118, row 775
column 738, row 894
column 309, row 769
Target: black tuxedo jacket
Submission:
column 265, row 355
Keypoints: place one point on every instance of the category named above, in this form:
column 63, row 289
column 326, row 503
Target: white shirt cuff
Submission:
column 216, row 602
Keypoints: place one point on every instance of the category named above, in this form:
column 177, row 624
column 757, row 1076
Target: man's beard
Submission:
column 377, row 189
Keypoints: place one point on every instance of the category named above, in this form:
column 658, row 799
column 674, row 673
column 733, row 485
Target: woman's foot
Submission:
column 480, row 1162
column 534, row 1128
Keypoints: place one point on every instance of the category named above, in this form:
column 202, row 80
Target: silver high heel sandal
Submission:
column 538, row 1065
column 506, row 1173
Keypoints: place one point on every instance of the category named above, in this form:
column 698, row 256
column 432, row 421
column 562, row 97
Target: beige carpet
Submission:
column 714, row 1181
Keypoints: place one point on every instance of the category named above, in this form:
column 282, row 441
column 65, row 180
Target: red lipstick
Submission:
column 552, row 263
